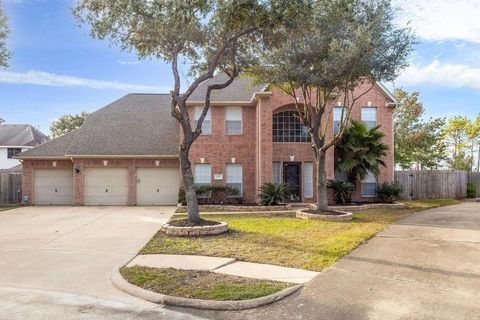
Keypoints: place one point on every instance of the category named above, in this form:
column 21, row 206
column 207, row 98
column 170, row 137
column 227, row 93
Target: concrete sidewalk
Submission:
column 224, row 266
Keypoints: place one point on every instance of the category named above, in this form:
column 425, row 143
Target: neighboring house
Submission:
column 15, row 138
column 127, row 152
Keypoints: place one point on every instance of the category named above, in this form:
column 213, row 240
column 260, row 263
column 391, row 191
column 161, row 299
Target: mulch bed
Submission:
column 325, row 212
column 188, row 223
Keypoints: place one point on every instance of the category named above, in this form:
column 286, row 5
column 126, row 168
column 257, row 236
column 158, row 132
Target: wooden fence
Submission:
column 10, row 188
column 433, row 184
column 474, row 177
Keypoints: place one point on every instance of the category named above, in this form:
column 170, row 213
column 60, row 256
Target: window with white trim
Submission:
column 338, row 116
column 277, row 172
column 369, row 116
column 12, row 152
column 233, row 120
column 369, row 185
column 287, row 127
column 233, row 176
column 207, row 122
column 308, row 179
column 202, row 174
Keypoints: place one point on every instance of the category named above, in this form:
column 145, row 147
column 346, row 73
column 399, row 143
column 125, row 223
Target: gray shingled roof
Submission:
column 241, row 89
column 137, row 124
column 20, row 135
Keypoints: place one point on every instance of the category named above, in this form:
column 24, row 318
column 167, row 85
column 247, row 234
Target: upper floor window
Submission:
column 233, row 120
column 288, row 128
column 369, row 116
column 12, row 152
column 207, row 122
column 338, row 116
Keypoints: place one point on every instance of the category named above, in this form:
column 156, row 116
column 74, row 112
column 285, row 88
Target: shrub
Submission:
column 273, row 194
column 389, row 192
column 181, row 196
column 211, row 194
column 342, row 191
column 471, row 190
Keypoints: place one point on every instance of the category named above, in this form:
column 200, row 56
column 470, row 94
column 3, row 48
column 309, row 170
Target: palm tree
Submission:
column 360, row 151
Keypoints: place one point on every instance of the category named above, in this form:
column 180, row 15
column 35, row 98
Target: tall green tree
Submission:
column 4, row 33
column 456, row 135
column 344, row 44
column 360, row 151
column 67, row 123
column 418, row 143
column 206, row 35
column 473, row 134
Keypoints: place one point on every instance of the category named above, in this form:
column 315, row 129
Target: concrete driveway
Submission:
column 57, row 260
column 427, row 266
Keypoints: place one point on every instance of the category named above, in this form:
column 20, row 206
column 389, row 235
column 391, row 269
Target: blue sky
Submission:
column 57, row 68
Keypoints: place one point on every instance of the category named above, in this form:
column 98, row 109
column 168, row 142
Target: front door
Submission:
column 291, row 176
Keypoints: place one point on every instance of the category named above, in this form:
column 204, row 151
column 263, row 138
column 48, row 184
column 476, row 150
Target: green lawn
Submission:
column 282, row 239
column 200, row 284
column 4, row 208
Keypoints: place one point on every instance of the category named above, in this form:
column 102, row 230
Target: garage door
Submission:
column 106, row 186
column 53, row 186
column 157, row 186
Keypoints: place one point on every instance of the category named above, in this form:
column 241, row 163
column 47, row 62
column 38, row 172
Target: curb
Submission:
column 120, row 283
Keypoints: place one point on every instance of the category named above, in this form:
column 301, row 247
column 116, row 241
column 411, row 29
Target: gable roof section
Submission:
column 388, row 94
column 241, row 89
column 17, row 135
column 135, row 125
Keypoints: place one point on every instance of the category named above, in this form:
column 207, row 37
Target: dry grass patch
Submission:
column 282, row 239
column 200, row 284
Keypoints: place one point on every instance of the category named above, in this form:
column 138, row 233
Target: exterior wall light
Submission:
column 105, row 162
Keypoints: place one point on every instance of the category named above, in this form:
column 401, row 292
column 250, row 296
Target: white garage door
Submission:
column 157, row 186
column 106, row 186
column 53, row 186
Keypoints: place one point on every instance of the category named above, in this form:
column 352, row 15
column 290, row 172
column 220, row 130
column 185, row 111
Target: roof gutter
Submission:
column 40, row 157
column 96, row 156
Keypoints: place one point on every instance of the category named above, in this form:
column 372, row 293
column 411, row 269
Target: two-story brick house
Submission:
column 127, row 152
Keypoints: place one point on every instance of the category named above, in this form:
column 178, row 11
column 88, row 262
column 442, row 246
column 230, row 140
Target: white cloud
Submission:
column 436, row 73
column 438, row 20
column 41, row 78
column 132, row 63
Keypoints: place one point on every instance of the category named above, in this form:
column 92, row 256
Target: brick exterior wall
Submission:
column 256, row 151
column 253, row 148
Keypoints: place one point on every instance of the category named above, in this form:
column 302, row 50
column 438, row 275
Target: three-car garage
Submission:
column 116, row 186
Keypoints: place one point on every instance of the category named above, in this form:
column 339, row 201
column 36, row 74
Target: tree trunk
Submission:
column 189, row 185
column 322, row 199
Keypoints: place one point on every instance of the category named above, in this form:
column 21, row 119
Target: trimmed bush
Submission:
column 471, row 190
column 389, row 192
column 212, row 194
column 273, row 194
column 342, row 191
column 181, row 196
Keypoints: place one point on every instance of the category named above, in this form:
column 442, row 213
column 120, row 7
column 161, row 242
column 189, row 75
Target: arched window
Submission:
column 288, row 128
